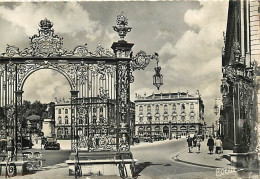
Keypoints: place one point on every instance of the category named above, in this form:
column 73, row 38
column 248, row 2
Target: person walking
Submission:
column 189, row 141
column 210, row 144
column 218, row 144
column 195, row 141
column 198, row 144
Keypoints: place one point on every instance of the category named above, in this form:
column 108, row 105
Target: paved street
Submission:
column 155, row 161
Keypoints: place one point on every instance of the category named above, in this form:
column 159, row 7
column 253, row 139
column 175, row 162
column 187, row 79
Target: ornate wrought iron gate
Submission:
column 99, row 82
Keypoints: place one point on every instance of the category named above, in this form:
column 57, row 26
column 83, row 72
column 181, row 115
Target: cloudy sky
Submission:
column 187, row 35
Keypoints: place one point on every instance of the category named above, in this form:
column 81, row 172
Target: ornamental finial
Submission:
column 46, row 24
column 122, row 26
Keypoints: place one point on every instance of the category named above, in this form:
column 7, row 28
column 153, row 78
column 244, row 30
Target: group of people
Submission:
column 196, row 142
column 211, row 143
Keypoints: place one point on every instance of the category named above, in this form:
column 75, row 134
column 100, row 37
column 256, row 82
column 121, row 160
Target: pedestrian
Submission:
column 189, row 141
column 198, row 143
column 210, row 144
column 195, row 141
column 218, row 144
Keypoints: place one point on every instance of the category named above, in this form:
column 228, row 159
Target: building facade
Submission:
column 240, row 82
column 98, row 112
column 169, row 114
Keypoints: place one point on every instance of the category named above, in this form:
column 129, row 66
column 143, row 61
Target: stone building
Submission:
column 98, row 112
column 169, row 114
column 239, row 88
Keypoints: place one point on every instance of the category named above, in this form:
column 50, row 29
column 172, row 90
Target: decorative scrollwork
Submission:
column 101, row 52
column 47, row 44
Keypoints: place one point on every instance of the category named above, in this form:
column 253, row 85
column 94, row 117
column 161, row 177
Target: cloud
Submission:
column 196, row 63
column 28, row 15
column 45, row 85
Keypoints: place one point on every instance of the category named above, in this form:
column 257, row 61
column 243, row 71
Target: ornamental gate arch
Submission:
column 99, row 79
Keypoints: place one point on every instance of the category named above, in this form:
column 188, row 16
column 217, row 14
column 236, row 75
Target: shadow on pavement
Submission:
column 141, row 166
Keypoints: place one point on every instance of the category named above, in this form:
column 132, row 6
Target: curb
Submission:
column 197, row 164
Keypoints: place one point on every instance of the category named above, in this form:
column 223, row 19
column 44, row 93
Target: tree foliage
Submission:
column 36, row 108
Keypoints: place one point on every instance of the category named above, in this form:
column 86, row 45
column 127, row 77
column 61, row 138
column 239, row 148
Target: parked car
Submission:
column 51, row 143
column 136, row 139
column 159, row 137
column 27, row 142
column 148, row 138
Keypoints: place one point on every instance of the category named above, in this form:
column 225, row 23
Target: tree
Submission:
column 33, row 112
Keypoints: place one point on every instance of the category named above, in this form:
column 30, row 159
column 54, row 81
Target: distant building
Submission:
column 169, row 114
column 97, row 112
column 99, row 116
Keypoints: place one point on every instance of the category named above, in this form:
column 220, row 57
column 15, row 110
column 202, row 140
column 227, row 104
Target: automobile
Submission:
column 148, row 138
column 136, row 139
column 51, row 143
column 27, row 142
column 158, row 138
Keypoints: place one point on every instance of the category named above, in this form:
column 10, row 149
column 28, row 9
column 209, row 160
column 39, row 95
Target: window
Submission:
column 66, row 132
column 157, row 108
column 101, row 110
column 94, row 110
column 165, row 118
column 174, row 118
column 149, row 108
column 141, row 119
column 183, row 118
column 80, row 121
column 59, row 120
column 140, row 108
column 59, row 111
column 165, row 108
column 191, row 106
column 86, row 120
column 66, row 111
column 157, row 118
column 66, row 120
column 94, row 119
column 183, row 107
column 174, row 107
column 59, row 132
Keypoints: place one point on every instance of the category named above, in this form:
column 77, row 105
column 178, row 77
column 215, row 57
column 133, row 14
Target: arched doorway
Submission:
column 166, row 131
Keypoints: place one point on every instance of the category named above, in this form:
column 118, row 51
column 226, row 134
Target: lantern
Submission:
column 216, row 109
column 157, row 78
column 224, row 88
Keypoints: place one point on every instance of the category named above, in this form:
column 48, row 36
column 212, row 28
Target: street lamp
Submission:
column 157, row 77
column 150, row 120
column 170, row 137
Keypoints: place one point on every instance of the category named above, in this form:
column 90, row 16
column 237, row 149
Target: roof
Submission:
column 169, row 96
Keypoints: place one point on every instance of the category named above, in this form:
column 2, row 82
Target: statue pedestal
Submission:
column 102, row 163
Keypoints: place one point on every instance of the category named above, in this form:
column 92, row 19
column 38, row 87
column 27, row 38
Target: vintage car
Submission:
column 27, row 142
column 158, row 138
column 51, row 143
column 136, row 139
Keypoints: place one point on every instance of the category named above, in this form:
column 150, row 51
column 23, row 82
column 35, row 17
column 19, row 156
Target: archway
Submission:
column 166, row 131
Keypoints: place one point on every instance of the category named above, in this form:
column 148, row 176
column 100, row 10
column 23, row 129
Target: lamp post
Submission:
column 216, row 112
column 157, row 77
column 213, row 130
column 170, row 137
column 150, row 120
